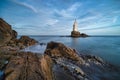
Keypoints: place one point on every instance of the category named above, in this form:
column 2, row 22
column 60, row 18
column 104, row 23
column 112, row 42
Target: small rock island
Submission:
column 75, row 32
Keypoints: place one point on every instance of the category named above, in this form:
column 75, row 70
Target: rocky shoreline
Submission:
column 58, row 62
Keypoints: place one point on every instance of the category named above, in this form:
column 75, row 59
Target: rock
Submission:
column 46, row 67
column 5, row 32
column 14, row 34
column 21, row 46
column 95, row 59
column 79, row 71
column 77, row 34
column 8, row 37
column 3, row 62
column 29, row 66
column 62, row 74
column 21, row 43
column 27, row 41
column 42, row 44
column 57, row 50
column 83, row 35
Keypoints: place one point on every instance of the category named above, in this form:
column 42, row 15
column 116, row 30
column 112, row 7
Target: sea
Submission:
column 106, row 47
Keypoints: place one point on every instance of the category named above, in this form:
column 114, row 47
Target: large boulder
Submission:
column 29, row 66
column 27, row 41
column 57, row 50
column 6, row 32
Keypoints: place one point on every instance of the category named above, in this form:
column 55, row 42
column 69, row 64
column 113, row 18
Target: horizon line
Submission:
column 69, row 35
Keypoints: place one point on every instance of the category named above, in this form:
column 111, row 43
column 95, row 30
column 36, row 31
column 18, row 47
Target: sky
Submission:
column 56, row 17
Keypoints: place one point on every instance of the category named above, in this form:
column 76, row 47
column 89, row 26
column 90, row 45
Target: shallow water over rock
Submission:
column 35, row 49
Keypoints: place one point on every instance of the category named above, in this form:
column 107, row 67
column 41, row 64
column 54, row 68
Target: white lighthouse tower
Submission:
column 75, row 26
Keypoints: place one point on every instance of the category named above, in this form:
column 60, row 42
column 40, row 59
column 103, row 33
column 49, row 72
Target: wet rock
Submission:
column 27, row 41
column 62, row 74
column 57, row 50
column 79, row 71
column 42, row 44
column 70, row 68
column 29, row 66
column 92, row 58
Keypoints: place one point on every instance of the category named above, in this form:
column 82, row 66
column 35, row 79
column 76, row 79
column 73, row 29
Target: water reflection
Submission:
column 74, row 42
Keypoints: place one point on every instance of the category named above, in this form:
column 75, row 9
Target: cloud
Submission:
column 104, row 27
column 51, row 22
column 57, row 16
column 74, row 7
column 69, row 12
column 88, row 18
column 115, row 19
column 26, row 5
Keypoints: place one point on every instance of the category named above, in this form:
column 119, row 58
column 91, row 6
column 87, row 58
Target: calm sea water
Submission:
column 107, row 48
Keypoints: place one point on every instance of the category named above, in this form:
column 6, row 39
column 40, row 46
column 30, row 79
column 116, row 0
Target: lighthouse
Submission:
column 75, row 32
column 75, row 26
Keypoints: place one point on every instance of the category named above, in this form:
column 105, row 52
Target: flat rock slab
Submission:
column 29, row 66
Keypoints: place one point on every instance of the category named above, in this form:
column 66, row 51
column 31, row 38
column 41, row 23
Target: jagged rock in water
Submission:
column 83, row 35
column 27, row 41
column 22, row 43
column 29, row 66
column 75, row 34
column 57, row 50
column 78, row 34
